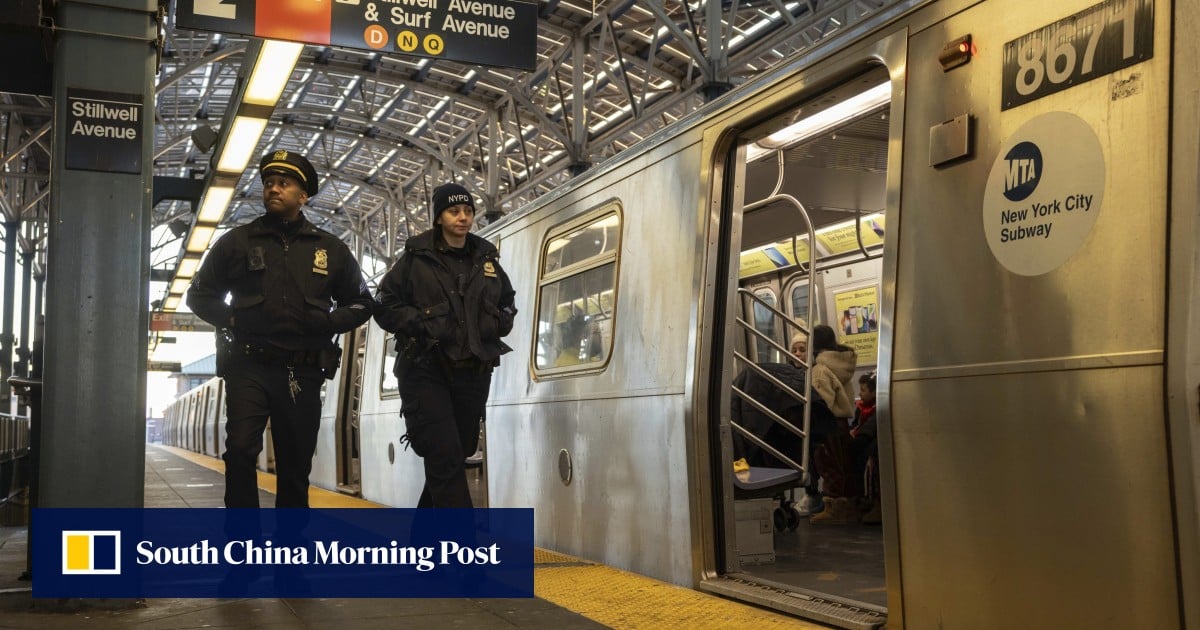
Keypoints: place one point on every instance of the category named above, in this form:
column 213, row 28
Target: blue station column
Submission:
column 97, row 278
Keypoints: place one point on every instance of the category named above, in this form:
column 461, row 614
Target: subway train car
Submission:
column 994, row 203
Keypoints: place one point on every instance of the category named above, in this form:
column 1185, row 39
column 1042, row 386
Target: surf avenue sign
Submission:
column 104, row 131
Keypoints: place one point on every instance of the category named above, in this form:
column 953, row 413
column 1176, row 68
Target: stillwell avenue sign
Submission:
column 488, row 32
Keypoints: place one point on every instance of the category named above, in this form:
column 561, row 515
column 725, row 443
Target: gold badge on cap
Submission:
column 489, row 269
column 280, row 155
column 321, row 262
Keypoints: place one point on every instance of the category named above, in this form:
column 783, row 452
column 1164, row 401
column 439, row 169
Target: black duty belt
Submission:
column 469, row 363
column 462, row 364
column 278, row 356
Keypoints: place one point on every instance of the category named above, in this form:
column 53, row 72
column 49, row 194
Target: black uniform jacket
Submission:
column 285, row 283
column 420, row 301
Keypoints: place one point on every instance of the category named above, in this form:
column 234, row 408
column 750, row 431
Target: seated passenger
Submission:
column 571, row 333
column 799, row 349
column 865, row 449
column 761, row 425
column 595, row 343
column 833, row 367
column 775, row 399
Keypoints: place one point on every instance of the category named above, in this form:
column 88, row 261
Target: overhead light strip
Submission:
column 267, row 82
column 273, row 68
column 243, row 139
column 212, row 207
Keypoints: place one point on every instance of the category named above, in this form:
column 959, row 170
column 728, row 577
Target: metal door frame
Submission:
column 889, row 51
column 349, row 407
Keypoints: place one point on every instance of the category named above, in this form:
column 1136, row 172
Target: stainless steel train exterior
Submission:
column 1039, row 392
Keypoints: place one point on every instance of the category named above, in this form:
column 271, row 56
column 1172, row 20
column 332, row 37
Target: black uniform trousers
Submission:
column 442, row 408
column 254, row 393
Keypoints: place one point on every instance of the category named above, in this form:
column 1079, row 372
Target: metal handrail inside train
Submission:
column 805, row 432
column 803, row 276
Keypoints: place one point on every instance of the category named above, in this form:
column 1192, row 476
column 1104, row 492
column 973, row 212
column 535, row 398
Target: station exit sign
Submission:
column 183, row 322
column 163, row 366
column 489, row 32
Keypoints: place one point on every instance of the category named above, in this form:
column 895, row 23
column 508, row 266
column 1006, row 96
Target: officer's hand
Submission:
column 318, row 321
column 505, row 320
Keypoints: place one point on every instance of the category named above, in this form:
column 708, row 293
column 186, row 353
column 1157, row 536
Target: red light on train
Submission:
column 956, row 53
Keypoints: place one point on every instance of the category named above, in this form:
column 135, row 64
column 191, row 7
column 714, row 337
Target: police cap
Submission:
column 293, row 165
column 448, row 195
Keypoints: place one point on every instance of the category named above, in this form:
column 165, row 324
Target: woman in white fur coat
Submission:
column 832, row 407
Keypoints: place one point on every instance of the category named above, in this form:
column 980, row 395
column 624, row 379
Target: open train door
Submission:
column 349, row 471
column 804, row 195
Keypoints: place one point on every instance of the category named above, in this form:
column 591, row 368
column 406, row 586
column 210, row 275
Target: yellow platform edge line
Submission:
column 317, row 497
column 620, row 599
column 606, row 595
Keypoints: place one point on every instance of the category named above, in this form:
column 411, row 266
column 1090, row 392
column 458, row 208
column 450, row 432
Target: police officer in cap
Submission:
column 293, row 288
column 449, row 303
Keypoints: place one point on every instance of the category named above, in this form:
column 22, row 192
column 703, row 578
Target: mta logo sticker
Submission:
column 91, row 552
column 1024, row 171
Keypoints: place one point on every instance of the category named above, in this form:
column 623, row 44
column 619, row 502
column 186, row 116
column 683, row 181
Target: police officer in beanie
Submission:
column 293, row 288
column 449, row 303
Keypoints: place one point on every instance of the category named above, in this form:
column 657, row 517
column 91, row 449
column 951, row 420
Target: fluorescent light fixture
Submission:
column 821, row 121
column 274, row 67
column 216, row 200
column 239, row 146
column 201, row 235
column 171, row 303
column 841, row 225
column 187, row 266
column 179, row 285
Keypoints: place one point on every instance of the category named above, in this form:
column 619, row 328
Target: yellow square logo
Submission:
column 91, row 552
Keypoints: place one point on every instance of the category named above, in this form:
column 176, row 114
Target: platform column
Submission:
column 7, row 337
column 97, row 302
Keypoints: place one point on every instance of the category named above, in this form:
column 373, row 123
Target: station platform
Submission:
column 569, row 592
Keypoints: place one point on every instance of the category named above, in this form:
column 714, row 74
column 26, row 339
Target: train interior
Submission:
column 830, row 155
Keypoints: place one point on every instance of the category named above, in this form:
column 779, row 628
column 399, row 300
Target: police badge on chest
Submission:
column 321, row 262
column 255, row 260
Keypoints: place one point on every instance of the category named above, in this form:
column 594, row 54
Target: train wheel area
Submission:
column 569, row 592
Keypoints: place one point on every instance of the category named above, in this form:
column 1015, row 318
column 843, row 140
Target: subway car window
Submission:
column 577, row 293
column 585, row 244
column 764, row 322
column 800, row 302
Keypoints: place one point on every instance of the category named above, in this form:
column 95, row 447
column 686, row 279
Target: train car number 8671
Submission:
column 1092, row 43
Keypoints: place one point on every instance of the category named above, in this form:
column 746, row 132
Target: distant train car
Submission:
column 991, row 203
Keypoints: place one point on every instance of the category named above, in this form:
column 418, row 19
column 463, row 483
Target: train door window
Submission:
column 389, row 386
column 577, row 288
column 802, row 305
column 800, row 301
column 764, row 322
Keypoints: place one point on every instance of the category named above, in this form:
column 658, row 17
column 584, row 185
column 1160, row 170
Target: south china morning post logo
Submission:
column 91, row 552
column 288, row 553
